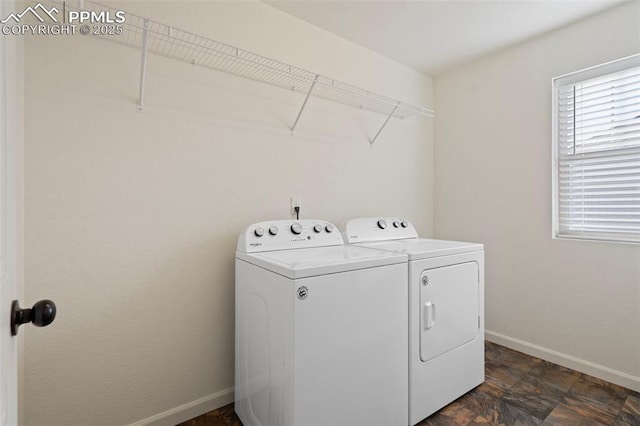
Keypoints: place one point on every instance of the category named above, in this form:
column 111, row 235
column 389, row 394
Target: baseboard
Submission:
column 605, row 373
column 189, row 410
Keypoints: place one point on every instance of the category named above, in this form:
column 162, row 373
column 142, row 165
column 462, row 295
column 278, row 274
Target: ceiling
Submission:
column 432, row 36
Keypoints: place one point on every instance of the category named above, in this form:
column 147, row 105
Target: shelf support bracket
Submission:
column 384, row 124
column 295, row 123
column 143, row 63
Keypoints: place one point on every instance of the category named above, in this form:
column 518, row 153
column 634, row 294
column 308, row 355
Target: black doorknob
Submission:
column 41, row 314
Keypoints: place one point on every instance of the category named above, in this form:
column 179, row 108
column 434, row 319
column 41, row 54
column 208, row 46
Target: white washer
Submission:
column 321, row 335
column 446, row 310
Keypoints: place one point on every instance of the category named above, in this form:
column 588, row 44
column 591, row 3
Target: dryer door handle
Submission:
column 429, row 315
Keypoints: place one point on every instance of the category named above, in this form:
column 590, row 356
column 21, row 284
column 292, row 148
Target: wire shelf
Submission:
column 175, row 43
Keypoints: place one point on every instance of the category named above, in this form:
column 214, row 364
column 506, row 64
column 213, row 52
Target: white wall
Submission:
column 132, row 218
column 577, row 303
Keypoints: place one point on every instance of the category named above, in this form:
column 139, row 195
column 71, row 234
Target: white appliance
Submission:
column 446, row 310
column 321, row 335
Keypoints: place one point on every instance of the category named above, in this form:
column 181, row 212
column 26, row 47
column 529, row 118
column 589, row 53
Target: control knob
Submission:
column 382, row 224
column 296, row 228
column 328, row 228
column 258, row 232
column 396, row 224
column 404, row 224
column 273, row 230
column 317, row 228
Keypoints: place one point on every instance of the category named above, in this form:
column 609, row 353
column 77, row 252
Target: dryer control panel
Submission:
column 288, row 234
column 367, row 229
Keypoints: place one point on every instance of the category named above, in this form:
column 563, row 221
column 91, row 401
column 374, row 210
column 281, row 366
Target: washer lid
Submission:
column 310, row 262
column 424, row 248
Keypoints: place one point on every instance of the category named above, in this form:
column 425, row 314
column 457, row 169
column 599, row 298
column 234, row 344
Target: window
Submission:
column 596, row 152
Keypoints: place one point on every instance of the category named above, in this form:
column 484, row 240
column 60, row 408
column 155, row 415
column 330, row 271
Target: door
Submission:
column 449, row 303
column 11, row 123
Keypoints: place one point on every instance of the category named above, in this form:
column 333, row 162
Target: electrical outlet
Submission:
column 295, row 202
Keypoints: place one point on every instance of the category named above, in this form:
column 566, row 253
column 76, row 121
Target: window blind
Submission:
column 597, row 152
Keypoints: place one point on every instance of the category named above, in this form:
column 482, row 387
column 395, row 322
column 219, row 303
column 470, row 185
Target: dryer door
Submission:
column 448, row 308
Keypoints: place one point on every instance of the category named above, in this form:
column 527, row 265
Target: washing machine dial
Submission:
column 296, row 228
column 273, row 230
column 404, row 224
column 396, row 224
column 382, row 224
column 328, row 228
column 258, row 232
column 317, row 228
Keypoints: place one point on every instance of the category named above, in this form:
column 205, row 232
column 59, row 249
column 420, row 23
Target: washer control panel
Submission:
column 288, row 234
column 367, row 229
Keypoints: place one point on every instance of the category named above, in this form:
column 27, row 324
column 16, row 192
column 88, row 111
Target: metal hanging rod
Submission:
column 143, row 63
column 383, row 124
column 165, row 40
column 295, row 123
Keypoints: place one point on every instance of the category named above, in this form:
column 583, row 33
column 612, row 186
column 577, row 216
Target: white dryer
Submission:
column 446, row 310
column 321, row 335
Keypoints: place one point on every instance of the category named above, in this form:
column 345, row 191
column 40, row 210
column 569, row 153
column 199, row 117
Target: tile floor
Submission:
column 519, row 390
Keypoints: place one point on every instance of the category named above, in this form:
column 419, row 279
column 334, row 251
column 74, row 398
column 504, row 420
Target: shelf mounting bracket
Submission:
column 143, row 63
column 384, row 124
column 295, row 123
